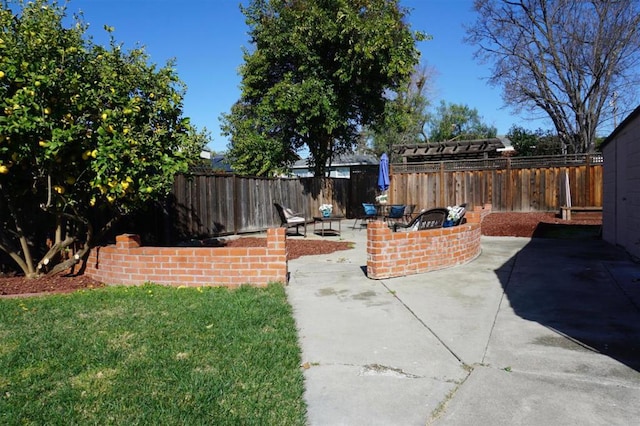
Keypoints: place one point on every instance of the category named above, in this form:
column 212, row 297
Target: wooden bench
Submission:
column 566, row 211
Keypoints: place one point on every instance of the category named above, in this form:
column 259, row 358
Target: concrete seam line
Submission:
column 423, row 323
column 619, row 287
column 495, row 317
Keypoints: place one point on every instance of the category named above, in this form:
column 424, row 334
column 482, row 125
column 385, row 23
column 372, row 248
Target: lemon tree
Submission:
column 88, row 133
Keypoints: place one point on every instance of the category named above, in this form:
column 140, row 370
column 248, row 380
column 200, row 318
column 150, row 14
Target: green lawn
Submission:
column 151, row 355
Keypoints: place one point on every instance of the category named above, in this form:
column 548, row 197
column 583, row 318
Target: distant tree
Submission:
column 460, row 122
column 573, row 60
column 88, row 134
column 318, row 71
column 523, row 141
column 539, row 142
column 199, row 139
column 405, row 114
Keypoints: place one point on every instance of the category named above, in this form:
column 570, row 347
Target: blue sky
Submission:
column 206, row 38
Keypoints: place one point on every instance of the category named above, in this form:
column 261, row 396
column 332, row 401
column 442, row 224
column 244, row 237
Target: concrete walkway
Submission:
column 532, row 332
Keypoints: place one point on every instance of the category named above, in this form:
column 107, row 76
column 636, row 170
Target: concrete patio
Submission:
column 532, row 332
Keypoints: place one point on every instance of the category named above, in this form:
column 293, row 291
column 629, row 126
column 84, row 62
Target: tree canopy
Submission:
column 455, row 121
column 87, row 133
column 539, row 142
column 317, row 72
column 405, row 115
column 576, row 61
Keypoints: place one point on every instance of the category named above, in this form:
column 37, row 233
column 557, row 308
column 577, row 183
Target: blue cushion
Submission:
column 369, row 209
column 396, row 211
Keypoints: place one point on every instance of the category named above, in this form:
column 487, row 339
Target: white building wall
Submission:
column 609, row 193
column 334, row 172
column 621, row 180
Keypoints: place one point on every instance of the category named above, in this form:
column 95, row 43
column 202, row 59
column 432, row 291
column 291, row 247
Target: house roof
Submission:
column 219, row 162
column 453, row 149
column 631, row 117
column 342, row 160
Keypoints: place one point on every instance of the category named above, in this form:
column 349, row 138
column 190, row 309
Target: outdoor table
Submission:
column 383, row 209
column 329, row 220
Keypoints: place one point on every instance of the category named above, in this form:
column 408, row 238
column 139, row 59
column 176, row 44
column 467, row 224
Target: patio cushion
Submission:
column 369, row 209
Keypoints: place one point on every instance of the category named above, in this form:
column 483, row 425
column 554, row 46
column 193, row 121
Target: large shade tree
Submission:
column 87, row 133
column 576, row 61
column 317, row 72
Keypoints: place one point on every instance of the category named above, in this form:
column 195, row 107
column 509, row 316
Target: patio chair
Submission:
column 290, row 219
column 460, row 210
column 428, row 219
column 395, row 214
column 370, row 213
column 408, row 212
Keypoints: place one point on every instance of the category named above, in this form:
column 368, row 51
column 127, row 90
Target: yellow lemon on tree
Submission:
column 3, row 169
column 43, row 144
column 94, row 153
column 47, row 110
column 59, row 189
column 104, row 116
column 1, row 74
column 86, row 154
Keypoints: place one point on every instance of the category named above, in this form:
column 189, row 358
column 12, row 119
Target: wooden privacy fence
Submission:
column 208, row 204
column 522, row 184
column 219, row 204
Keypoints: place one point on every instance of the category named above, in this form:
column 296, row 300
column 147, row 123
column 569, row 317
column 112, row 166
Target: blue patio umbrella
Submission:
column 383, row 173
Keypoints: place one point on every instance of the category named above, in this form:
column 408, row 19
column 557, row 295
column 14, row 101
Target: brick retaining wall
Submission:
column 129, row 263
column 396, row 254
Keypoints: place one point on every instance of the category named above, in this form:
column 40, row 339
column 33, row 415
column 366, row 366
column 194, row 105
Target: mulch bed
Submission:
column 529, row 225
column 495, row 224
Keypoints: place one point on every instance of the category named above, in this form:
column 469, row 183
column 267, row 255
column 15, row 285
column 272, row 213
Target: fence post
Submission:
column 508, row 189
column 442, row 186
column 588, row 196
column 236, row 204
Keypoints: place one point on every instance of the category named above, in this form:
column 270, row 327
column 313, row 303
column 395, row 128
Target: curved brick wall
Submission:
column 128, row 263
column 396, row 254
